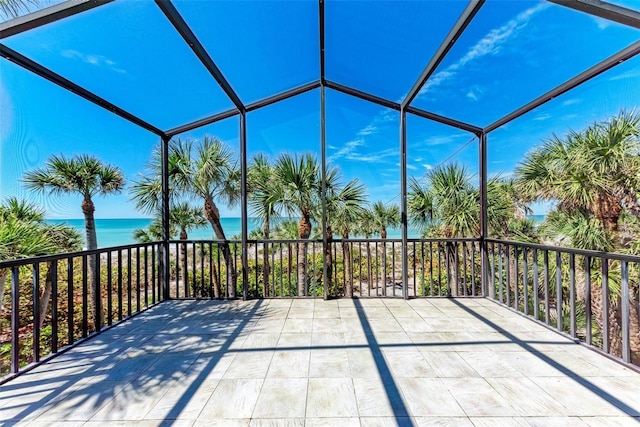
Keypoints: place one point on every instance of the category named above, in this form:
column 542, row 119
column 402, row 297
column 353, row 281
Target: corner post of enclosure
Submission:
column 484, row 266
column 163, row 259
column 326, row 274
column 325, row 241
column 403, row 202
column 243, row 203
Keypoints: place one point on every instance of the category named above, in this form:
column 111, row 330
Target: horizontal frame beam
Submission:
column 251, row 107
column 396, row 106
column 456, row 31
column 202, row 122
column 610, row 62
column 45, row 16
column 611, row 12
column 444, row 120
column 57, row 79
column 190, row 38
column 283, row 95
column 362, row 95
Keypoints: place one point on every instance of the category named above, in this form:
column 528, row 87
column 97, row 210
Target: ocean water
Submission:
column 537, row 218
column 116, row 232
column 119, row 231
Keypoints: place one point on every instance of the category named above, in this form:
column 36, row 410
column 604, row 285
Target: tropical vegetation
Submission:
column 591, row 177
column 83, row 175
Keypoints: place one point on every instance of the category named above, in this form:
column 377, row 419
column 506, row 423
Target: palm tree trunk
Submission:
column 328, row 258
column 216, row 282
column 615, row 327
column 289, row 264
column 634, row 328
column 304, row 231
column 46, row 295
column 265, row 252
column 383, row 262
column 212, row 214
column 302, row 269
column 185, row 261
column 608, row 211
column 513, row 277
column 3, row 284
column 613, row 332
column 452, row 268
column 346, row 255
column 161, row 278
column 369, row 269
column 93, row 276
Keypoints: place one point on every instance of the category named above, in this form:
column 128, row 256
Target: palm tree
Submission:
column 13, row 8
column 84, row 175
column 452, row 204
column 264, row 194
column 287, row 230
column 447, row 205
column 186, row 217
column 81, row 174
column 65, row 239
column 203, row 169
column 420, row 204
column 300, row 183
column 152, row 233
column 365, row 226
column 344, row 205
column 24, row 233
column 384, row 216
column 596, row 171
column 594, row 178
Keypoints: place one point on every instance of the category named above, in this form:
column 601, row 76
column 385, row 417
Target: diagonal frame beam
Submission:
column 396, row 106
column 250, row 107
column 202, row 122
column 46, row 16
column 321, row 37
column 444, row 120
column 454, row 34
column 362, row 95
column 190, row 38
column 610, row 62
column 611, row 12
column 283, row 95
column 34, row 67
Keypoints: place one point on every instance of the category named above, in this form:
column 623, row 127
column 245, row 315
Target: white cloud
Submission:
column 377, row 156
column 409, row 166
column 542, row 117
column 443, row 139
column 491, row 44
column 347, row 150
column 96, row 60
column 427, row 166
column 601, row 23
column 368, row 130
column 570, row 102
column 627, row 75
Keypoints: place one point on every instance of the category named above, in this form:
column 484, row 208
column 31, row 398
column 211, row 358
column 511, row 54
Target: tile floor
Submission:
column 367, row 362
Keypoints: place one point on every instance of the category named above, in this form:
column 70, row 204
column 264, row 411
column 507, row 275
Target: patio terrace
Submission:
column 347, row 362
column 304, row 361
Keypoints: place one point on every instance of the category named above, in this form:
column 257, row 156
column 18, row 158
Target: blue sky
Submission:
column 128, row 53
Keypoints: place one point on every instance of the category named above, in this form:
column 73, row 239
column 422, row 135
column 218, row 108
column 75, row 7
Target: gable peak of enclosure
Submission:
column 408, row 56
